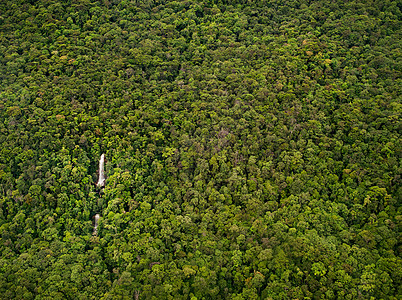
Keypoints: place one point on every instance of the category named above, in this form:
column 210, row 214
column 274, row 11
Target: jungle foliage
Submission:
column 253, row 149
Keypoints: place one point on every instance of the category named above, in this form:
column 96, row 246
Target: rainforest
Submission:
column 200, row 149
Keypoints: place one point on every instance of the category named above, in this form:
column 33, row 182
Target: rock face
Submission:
column 101, row 180
column 97, row 216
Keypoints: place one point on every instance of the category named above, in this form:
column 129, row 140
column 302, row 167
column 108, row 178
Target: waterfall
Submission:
column 97, row 216
column 101, row 180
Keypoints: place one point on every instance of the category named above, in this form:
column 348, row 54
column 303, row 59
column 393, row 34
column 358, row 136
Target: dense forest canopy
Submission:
column 252, row 149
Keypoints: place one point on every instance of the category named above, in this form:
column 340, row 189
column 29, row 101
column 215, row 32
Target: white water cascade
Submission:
column 97, row 216
column 101, row 180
